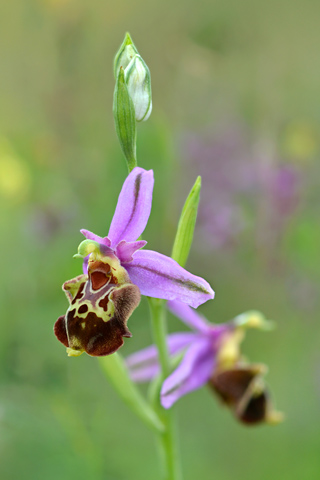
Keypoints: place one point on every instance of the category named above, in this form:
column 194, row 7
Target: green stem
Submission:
column 116, row 371
column 168, row 439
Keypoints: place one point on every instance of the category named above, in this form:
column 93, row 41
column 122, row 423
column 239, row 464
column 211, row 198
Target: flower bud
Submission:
column 137, row 77
column 125, row 54
column 138, row 80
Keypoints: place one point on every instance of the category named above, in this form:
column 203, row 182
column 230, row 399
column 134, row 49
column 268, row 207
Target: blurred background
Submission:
column 236, row 88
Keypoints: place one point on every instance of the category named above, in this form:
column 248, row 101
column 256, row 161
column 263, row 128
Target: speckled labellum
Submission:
column 100, row 304
column 243, row 390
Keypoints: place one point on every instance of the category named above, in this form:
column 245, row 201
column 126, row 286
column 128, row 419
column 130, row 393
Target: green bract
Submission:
column 188, row 217
column 124, row 118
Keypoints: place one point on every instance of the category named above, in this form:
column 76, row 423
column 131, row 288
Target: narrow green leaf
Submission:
column 188, row 217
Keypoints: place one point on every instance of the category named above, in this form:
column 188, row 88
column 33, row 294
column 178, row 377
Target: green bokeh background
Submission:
column 61, row 169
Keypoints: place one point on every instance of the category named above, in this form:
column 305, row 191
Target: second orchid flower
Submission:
column 211, row 355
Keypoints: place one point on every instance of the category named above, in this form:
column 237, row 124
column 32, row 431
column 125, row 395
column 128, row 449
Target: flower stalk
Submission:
column 168, row 439
column 180, row 253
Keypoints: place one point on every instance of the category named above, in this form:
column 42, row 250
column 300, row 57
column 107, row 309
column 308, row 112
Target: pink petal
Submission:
column 133, row 207
column 143, row 365
column 125, row 250
column 161, row 277
column 189, row 316
column 193, row 372
column 92, row 236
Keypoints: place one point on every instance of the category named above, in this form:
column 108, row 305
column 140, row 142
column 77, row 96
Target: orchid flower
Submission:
column 211, row 355
column 116, row 272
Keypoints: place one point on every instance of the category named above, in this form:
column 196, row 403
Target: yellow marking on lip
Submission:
column 275, row 417
column 74, row 353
